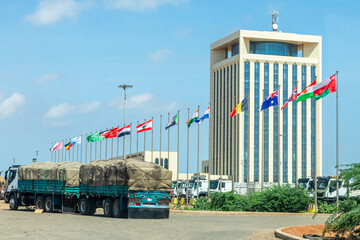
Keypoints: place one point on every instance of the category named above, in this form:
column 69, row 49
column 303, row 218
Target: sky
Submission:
column 62, row 60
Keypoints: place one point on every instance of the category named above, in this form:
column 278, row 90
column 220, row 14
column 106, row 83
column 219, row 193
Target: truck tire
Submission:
column 49, row 204
column 108, row 207
column 116, row 209
column 13, row 204
column 40, row 202
column 85, row 206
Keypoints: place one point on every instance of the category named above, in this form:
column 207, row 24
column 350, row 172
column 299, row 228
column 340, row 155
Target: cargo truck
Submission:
column 47, row 187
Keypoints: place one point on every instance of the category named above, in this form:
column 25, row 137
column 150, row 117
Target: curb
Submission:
column 286, row 236
column 227, row 213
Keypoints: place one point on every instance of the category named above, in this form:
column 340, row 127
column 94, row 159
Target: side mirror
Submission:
column 6, row 175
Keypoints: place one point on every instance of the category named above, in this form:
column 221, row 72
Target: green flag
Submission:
column 94, row 137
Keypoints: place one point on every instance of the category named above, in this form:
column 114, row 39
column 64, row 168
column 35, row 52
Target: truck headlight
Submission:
column 2, row 191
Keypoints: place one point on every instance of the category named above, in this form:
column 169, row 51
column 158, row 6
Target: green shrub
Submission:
column 324, row 207
column 275, row 199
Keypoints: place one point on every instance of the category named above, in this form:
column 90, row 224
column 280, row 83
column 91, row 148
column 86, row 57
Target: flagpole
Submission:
column 279, row 164
column 315, row 175
column 145, row 141
column 130, row 139
column 69, row 150
column 100, row 148
column 337, row 141
column 123, row 144
column 64, row 150
column 85, row 148
column 81, row 149
column 59, row 155
column 168, row 140
column 187, row 162
column 248, row 145
column 209, row 167
column 118, row 140
column 77, row 152
column 137, row 142
column 152, row 140
column 198, row 177
column 112, row 146
column 95, row 150
column 52, row 144
column 177, row 159
column 105, row 147
column 262, row 174
column 160, row 140
column 90, row 149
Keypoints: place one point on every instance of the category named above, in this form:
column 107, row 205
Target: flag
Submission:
column 194, row 117
column 146, row 126
column 102, row 134
column 56, row 146
column 205, row 116
column 112, row 133
column 306, row 93
column 68, row 146
column 94, row 137
column 291, row 98
column 325, row 87
column 124, row 131
column 271, row 100
column 76, row 140
column 241, row 107
column 173, row 122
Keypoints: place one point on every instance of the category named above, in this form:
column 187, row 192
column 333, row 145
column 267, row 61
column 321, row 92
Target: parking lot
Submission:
column 25, row 224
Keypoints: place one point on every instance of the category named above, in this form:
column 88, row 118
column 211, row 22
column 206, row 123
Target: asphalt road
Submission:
column 22, row 224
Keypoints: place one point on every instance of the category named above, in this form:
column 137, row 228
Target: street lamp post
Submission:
column 124, row 87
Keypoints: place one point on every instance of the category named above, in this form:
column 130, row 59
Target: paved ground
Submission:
column 25, row 224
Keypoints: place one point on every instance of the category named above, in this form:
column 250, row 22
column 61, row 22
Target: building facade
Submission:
column 284, row 144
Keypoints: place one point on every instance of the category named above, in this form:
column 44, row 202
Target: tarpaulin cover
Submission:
column 136, row 174
column 67, row 172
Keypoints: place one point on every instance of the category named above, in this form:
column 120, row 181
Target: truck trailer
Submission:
column 123, row 188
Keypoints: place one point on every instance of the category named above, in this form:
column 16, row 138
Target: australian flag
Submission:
column 271, row 100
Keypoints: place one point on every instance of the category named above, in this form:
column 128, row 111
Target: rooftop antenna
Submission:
column 275, row 20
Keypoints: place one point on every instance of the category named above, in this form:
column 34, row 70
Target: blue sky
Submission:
column 61, row 62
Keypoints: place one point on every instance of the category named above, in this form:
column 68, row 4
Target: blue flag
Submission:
column 271, row 100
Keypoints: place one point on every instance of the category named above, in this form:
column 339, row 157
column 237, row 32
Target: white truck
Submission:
column 203, row 188
column 226, row 186
column 326, row 189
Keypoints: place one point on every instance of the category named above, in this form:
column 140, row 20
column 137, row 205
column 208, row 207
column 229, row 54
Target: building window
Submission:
column 256, row 121
column 235, row 128
column 294, row 125
column 313, row 116
column 285, row 124
column 303, row 124
column 161, row 162
column 230, row 107
column 274, row 48
column 166, row 163
column 157, row 161
column 266, row 124
column 235, row 49
column 246, row 113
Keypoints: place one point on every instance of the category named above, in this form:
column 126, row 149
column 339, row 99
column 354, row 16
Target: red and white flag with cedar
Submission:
column 146, row 126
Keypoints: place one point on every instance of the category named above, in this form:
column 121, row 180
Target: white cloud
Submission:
column 147, row 102
column 64, row 109
column 140, row 5
column 49, row 12
column 47, row 78
column 11, row 105
column 160, row 55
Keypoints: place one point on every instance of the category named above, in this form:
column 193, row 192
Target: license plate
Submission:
column 149, row 199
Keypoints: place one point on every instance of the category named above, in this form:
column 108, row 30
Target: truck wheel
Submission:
column 40, row 202
column 85, row 206
column 116, row 209
column 13, row 202
column 108, row 207
column 48, row 204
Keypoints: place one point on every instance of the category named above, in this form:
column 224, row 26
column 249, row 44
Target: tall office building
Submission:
column 255, row 64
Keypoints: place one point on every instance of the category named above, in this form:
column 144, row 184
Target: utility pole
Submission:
column 124, row 87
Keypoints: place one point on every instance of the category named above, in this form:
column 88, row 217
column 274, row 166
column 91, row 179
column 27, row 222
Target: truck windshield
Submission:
column 303, row 183
column 195, row 185
column 213, row 185
column 322, row 184
column 191, row 184
column 181, row 185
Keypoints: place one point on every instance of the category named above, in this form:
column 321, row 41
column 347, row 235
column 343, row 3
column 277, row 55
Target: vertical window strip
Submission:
column 285, row 124
column 230, row 122
column 266, row 124
column 227, row 121
column 303, row 124
column 276, row 127
column 247, row 88
column 214, row 124
column 223, row 124
column 235, row 129
column 313, row 115
column 294, row 125
column 256, row 121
